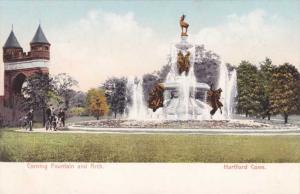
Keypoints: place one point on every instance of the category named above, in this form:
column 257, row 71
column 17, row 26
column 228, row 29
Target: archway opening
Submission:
column 18, row 84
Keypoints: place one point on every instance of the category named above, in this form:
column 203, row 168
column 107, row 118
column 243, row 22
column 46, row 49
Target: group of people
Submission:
column 53, row 120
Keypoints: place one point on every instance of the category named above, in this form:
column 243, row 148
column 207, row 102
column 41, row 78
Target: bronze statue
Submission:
column 183, row 62
column 183, row 25
column 213, row 98
column 156, row 97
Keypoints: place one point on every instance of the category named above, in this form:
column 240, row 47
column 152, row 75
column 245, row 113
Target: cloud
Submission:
column 106, row 44
column 253, row 37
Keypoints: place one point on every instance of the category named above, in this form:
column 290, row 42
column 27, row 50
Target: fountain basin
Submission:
column 173, row 85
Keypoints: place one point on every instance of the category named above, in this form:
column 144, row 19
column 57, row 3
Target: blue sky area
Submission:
column 131, row 38
column 156, row 14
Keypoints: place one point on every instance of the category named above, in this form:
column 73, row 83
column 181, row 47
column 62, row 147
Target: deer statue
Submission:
column 183, row 25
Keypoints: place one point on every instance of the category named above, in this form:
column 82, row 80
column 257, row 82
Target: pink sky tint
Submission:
column 105, row 44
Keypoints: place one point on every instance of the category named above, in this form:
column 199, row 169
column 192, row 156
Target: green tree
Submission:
column 149, row 81
column 248, row 89
column 206, row 66
column 264, row 76
column 115, row 91
column 284, row 93
column 96, row 103
column 63, row 85
column 38, row 90
column 78, row 99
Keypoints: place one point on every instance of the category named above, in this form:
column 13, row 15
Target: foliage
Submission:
column 206, row 66
column 284, row 91
column 264, row 75
column 163, row 72
column 248, row 89
column 96, row 103
column 38, row 90
column 149, row 81
column 77, row 111
column 63, row 84
column 78, row 99
column 115, row 91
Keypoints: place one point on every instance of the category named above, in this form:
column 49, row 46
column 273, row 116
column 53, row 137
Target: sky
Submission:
column 94, row 40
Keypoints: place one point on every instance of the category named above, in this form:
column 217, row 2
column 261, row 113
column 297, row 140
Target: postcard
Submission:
column 150, row 97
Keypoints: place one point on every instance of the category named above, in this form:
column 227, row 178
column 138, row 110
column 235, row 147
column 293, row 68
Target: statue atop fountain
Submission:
column 183, row 45
column 183, row 26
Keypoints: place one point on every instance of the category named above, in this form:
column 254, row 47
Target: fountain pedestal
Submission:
column 183, row 105
column 183, row 44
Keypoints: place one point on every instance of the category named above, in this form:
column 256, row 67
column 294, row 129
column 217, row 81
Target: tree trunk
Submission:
column 286, row 118
column 67, row 104
column 269, row 117
column 44, row 117
column 115, row 114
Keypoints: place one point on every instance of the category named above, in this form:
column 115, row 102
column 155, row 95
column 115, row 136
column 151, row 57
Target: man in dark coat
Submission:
column 48, row 113
column 62, row 116
column 29, row 118
column 49, row 116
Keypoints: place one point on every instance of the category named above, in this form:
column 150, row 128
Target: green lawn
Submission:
column 20, row 147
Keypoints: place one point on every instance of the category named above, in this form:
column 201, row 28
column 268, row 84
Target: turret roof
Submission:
column 39, row 36
column 12, row 41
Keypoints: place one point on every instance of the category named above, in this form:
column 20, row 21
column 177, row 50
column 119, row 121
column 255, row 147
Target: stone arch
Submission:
column 18, row 82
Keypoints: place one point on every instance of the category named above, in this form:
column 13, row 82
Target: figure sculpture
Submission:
column 183, row 62
column 213, row 98
column 156, row 97
column 183, row 25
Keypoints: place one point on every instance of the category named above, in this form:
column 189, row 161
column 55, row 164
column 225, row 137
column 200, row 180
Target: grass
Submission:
column 37, row 147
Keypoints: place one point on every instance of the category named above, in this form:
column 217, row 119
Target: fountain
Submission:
column 180, row 86
column 231, row 94
column 138, row 109
column 180, row 102
column 228, row 82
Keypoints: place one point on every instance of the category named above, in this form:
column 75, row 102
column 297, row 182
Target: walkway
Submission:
column 90, row 130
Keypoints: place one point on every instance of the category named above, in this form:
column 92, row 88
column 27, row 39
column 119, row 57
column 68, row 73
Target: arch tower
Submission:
column 19, row 65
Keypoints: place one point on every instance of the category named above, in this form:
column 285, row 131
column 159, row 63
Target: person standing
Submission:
column 54, row 120
column 49, row 116
column 62, row 116
column 29, row 117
